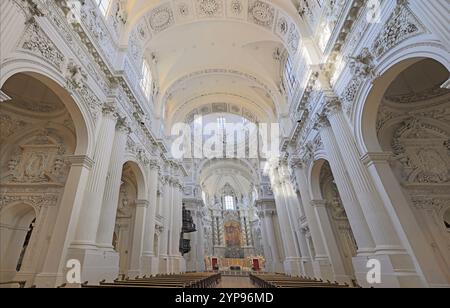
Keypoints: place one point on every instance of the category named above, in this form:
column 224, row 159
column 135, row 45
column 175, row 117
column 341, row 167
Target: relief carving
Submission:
column 421, row 150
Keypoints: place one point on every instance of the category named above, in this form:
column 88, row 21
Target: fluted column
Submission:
column 322, row 265
column 265, row 243
column 307, row 262
column 378, row 220
column 86, row 233
column 200, row 235
column 71, row 202
column 435, row 273
column 395, row 261
column 347, row 193
column 290, row 263
column 112, row 188
column 150, row 221
column 138, row 238
column 164, row 238
column 177, row 223
column 273, row 246
column 295, row 214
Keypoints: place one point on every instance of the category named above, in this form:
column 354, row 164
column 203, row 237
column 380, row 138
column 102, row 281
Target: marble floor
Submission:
column 235, row 282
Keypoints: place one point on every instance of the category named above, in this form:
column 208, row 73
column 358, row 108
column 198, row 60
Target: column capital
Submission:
column 297, row 163
column 81, row 160
column 333, row 106
column 122, row 125
column 318, row 203
column 109, row 109
column 142, row 203
column 322, row 121
column 154, row 164
column 376, row 157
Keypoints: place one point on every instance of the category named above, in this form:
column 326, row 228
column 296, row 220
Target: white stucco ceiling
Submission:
column 215, row 51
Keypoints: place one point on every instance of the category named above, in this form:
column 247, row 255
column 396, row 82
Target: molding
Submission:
column 81, row 161
column 376, row 157
column 4, row 97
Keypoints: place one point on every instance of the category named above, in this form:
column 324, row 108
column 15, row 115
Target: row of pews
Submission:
column 283, row 281
column 187, row 280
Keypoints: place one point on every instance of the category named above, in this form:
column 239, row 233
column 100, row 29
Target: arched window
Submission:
column 146, row 81
column 103, row 5
column 289, row 75
column 229, row 203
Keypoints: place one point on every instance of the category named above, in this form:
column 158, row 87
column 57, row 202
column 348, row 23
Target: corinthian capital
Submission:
column 333, row 106
column 296, row 163
column 122, row 125
column 109, row 109
column 322, row 121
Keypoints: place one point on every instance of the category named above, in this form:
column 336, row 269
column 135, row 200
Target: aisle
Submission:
column 235, row 282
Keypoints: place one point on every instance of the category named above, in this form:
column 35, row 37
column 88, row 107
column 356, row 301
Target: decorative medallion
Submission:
column 261, row 13
column 161, row 18
column 236, row 7
column 209, row 8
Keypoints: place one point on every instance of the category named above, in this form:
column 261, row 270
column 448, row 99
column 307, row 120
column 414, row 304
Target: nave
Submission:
column 287, row 142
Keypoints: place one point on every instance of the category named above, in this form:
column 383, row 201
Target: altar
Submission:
column 248, row 264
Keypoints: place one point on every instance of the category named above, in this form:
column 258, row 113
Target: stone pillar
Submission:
column 265, row 243
column 52, row 274
column 410, row 230
column 295, row 214
column 307, row 262
column 148, row 254
column 321, row 261
column 112, row 188
column 138, row 238
column 83, row 246
column 347, row 193
column 37, row 243
column 200, row 238
column 164, row 238
column 177, row 223
column 196, row 255
column 270, row 229
column 331, row 243
column 292, row 261
column 86, row 234
column 397, row 266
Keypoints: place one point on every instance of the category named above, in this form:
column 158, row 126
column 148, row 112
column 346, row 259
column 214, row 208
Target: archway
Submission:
column 16, row 225
column 38, row 135
column 334, row 224
column 412, row 124
column 131, row 191
column 230, row 222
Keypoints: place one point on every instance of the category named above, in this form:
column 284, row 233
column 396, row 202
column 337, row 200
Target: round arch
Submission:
column 80, row 115
column 314, row 178
column 138, row 171
column 389, row 67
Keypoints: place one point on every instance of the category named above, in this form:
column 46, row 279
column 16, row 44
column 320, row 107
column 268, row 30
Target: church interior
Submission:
column 224, row 144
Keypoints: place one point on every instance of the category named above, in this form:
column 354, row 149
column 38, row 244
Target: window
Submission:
column 290, row 75
column 221, row 123
column 146, row 81
column 103, row 5
column 229, row 203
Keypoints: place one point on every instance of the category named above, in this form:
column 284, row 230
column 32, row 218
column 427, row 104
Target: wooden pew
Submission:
column 283, row 281
column 187, row 280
